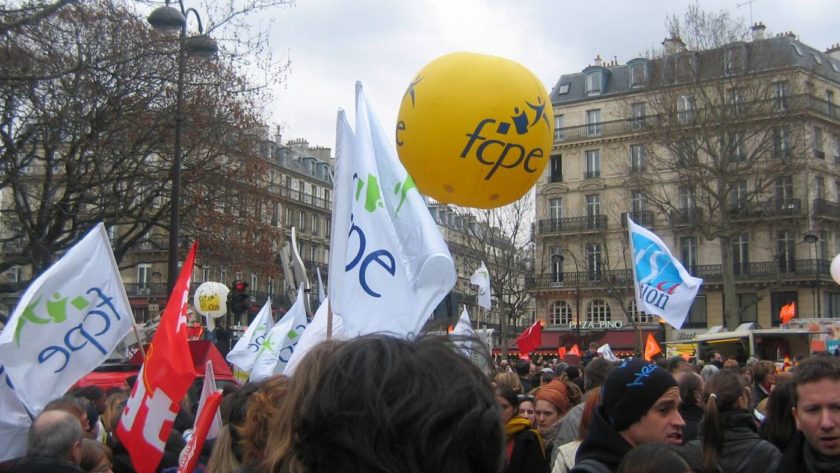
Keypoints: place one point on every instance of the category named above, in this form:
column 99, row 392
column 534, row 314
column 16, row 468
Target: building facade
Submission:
column 730, row 155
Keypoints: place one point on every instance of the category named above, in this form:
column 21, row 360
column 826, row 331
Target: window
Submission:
column 223, row 275
column 561, row 313
column 780, row 95
column 555, row 208
column 736, row 101
column 685, row 110
column 781, row 142
column 738, row 195
column 819, row 187
column 593, row 164
column 785, row 249
column 822, row 246
column 748, row 307
column 556, row 168
column 638, row 202
column 302, row 220
column 289, row 223
column 637, row 158
column 594, row 80
column 741, row 254
column 593, row 205
column 253, row 285
column 688, row 253
column 685, row 196
column 636, row 316
column 559, row 124
column 594, row 253
column 779, row 300
column 832, row 304
column 729, row 61
column 637, row 111
column 316, row 224
column 598, row 311
column 835, row 148
column 697, row 313
column 144, row 273
column 556, row 267
column 205, row 273
column 784, row 192
column 735, row 149
column 818, row 143
column 638, row 74
column 593, row 122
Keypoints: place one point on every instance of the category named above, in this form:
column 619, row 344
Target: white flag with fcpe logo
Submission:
column 481, row 278
column 244, row 353
column 389, row 264
column 315, row 333
column 663, row 286
column 464, row 329
column 280, row 342
column 67, row 322
column 14, row 420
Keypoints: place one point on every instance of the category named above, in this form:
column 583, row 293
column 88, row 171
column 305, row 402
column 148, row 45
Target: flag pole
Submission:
column 139, row 341
column 329, row 319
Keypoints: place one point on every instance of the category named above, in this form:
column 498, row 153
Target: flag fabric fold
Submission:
column 279, row 344
column 663, row 286
column 67, row 322
column 203, row 424
column 651, row 348
column 163, row 381
column 386, row 249
column 207, row 389
column 481, row 278
column 606, row 352
column 315, row 333
column 575, row 350
column 561, row 352
column 464, row 329
column 322, row 294
column 529, row 339
column 787, row 312
column 244, row 353
column 14, row 420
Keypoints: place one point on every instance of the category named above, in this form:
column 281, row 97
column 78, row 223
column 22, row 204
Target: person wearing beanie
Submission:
column 639, row 404
column 552, row 403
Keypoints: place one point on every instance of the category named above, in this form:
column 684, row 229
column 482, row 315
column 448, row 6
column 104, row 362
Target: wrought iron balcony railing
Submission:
column 572, row 224
column 642, row 217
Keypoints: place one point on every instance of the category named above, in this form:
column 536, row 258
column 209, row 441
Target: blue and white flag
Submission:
column 67, row 322
column 280, row 343
column 663, row 286
column 315, row 333
column 244, row 353
column 389, row 264
column 322, row 294
column 14, row 420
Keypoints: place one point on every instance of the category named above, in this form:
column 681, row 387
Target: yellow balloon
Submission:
column 474, row 130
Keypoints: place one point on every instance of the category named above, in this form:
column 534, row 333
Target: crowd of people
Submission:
column 383, row 404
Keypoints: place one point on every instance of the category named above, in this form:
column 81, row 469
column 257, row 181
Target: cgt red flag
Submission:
column 787, row 312
column 575, row 350
column 530, row 339
column 163, row 381
column 202, row 427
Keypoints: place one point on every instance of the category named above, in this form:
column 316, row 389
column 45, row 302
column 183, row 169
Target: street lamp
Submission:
column 167, row 18
column 812, row 238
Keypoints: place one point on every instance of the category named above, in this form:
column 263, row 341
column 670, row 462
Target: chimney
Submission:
column 758, row 31
column 598, row 61
column 834, row 51
column 673, row 45
column 278, row 138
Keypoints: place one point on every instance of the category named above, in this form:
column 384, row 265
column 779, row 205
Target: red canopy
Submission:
column 201, row 351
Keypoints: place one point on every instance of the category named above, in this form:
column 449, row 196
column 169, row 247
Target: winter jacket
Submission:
column 743, row 451
column 603, row 444
column 564, row 459
column 44, row 465
column 794, row 459
column 526, row 450
column 693, row 416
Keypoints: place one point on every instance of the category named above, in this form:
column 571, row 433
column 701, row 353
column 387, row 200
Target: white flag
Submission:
column 67, row 322
column 464, row 329
column 481, row 278
column 244, row 353
column 315, row 333
column 606, row 352
column 389, row 264
column 208, row 388
column 321, row 293
column 663, row 286
column 14, row 420
column 280, row 343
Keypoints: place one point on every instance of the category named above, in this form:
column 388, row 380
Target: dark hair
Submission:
column 761, row 370
column 652, row 458
column 720, row 394
column 93, row 453
column 384, row 404
column 547, row 377
column 690, row 384
column 815, row 368
column 520, row 398
column 92, row 393
column 596, row 372
column 511, row 397
column 779, row 426
column 523, row 367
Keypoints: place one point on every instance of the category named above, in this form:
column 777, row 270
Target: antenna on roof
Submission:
column 749, row 4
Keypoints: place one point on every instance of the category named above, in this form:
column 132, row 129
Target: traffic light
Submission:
column 238, row 300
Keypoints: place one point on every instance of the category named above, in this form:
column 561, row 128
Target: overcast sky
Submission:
column 384, row 43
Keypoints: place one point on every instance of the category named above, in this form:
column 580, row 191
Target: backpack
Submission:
column 590, row 466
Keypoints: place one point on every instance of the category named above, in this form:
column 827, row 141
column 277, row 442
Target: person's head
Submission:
column 526, row 408
column 263, row 405
column 691, row 387
column 715, row 356
column 552, row 403
column 96, row 457
column 653, row 458
column 725, row 391
column 237, row 414
column 779, row 426
column 57, row 435
column 508, row 403
column 641, row 402
column 114, row 406
column 816, row 401
column 596, row 372
column 523, row 368
column 593, row 346
column 764, row 373
column 708, row 371
column 72, row 405
column 95, row 395
column 546, row 377
column 677, row 364
column 572, row 372
column 381, row 403
column 509, row 379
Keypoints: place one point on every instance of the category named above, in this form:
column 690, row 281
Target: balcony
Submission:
column 572, row 224
column 592, row 174
column 147, row 289
column 827, row 209
column 689, row 216
column 767, row 209
column 643, row 217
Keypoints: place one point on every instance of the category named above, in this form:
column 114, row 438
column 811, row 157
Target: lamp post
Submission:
column 812, row 238
column 167, row 18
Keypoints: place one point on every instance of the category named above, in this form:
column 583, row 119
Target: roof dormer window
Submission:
column 594, row 82
column 638, row 72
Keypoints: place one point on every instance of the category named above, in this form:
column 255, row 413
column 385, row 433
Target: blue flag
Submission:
column 663, row 286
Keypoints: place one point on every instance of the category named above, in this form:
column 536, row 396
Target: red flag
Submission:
column 561, row 351
column 651, row 348
column 163, row 381
column 575, row 350
column 788, row 312
column 202, row 427
column 530, row 339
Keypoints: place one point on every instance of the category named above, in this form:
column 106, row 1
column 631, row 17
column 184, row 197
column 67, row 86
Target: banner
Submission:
column 606, row 352
column 464, row 329
column 67, row 322
column 315, row 333
column 389, row 265
column 279, row 344
column 481, row 278
column 163, row 381
column 244, row 353
column 663, row 286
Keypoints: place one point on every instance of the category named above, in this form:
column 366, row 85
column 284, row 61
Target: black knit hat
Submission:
column 631, row 390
